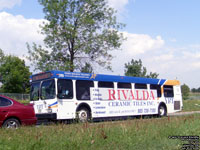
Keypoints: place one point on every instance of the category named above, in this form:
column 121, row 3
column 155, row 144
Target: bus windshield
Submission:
column 34, row 94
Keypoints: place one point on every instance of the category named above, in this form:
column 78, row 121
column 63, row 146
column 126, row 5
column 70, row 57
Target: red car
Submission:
column 13, row 114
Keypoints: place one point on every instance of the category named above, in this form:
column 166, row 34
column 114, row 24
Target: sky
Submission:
column 164, row 34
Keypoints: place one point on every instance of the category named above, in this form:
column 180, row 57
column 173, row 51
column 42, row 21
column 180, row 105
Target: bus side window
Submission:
column 140, row 86
column 48, row 89
column 83, row 89
column 102, row 84
column 122, row 85
column 65, row 89
column 168, row 91
column 156, row 87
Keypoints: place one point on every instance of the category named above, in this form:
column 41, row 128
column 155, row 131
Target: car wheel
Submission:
column 162, row 111
column 11, row 123
column 83, row 115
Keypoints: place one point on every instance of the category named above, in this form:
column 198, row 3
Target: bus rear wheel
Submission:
column 83, row 115
column 162, row 111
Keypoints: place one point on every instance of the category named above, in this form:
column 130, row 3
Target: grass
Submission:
column 138, row 134
column 191, row 105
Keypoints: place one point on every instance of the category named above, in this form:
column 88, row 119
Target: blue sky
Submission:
column 165, row 34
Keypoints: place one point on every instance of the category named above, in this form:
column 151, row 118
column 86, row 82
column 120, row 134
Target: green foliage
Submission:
column 14, row 75
column 185, row 91
column 87, row 68
column 76, row 31
column 195, row 90
column 136, row 69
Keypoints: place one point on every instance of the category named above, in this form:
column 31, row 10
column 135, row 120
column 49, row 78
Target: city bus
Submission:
column 62, row 95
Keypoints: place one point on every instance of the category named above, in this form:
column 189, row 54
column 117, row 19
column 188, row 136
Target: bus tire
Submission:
column 162, row 110
column 83, row 115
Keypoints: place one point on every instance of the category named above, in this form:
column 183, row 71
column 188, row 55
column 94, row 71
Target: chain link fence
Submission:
column 17, row 96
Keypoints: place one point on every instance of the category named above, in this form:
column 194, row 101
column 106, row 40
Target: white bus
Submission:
column 60, row 95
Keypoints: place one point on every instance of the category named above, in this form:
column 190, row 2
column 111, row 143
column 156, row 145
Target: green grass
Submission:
column 191, row 105
column 148, row 134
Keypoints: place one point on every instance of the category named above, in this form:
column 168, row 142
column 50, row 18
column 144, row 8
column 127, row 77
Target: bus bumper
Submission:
column 45, row 118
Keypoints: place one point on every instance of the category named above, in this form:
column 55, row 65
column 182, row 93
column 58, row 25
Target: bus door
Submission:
column 47, row 104
column 65, row 96
column 169, row 97
column 177, row 98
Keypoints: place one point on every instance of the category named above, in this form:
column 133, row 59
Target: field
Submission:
column 191, row 105
column 131, row 134
column 148, row 134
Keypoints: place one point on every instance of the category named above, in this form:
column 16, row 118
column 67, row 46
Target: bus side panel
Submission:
column 129, row 103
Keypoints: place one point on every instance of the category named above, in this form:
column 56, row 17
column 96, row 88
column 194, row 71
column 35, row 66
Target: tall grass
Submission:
column 138, row 134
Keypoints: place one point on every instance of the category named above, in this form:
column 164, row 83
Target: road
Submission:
column 184, row 113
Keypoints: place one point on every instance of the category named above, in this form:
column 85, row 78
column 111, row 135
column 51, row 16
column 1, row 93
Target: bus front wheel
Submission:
column 83, row 115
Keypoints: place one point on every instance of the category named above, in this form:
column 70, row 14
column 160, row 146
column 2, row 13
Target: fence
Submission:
column 17, row 96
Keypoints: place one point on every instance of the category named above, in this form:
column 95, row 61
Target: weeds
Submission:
column 129, row 134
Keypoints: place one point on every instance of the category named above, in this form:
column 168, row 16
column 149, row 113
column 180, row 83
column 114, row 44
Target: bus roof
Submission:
column 98, row 77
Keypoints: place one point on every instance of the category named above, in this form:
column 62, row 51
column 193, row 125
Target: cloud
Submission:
column 141, row 43
column 119, row 5
column 15, row 31
column 9, row 3
column 180, row 62
column 137, row 46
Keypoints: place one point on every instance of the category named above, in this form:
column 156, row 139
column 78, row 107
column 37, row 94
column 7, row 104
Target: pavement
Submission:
column 183, row 113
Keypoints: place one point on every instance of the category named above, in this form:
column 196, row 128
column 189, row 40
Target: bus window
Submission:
column 156, row 87
column 122, row 85
column 140, row 86
column 34, row 94
column 83, row 89
column 48, row 89
column 102, row 84
column 65, row 89
column 168, row 91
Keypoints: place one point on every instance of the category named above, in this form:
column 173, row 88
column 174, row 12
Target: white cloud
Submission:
column 137, row 46
column 119, row 5
column 9, row 3
column 141, row 43
column 15, row 31
column 182, row 63
column 164, row 57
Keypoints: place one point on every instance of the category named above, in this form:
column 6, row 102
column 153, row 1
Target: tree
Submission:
column 87, row 68
column 185, row 91
column 195, row 90
column 76, row 31
column 136, row 69
column 14, row 75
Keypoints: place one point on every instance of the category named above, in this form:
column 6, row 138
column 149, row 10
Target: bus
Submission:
column 62, row 95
